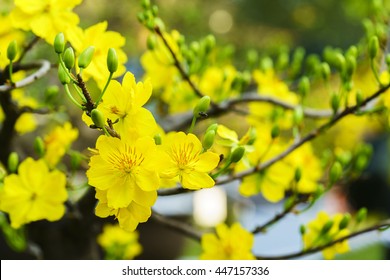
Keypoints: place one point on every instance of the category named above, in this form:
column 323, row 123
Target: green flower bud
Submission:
column 298, row 115
column 327, row 227
column 302, row 229
column 98, row 118
column 85, row 57
column 266, row 63
column 345, row 221
column 112, row 60
column 339, row 61
column 12, row 50
column 213, row 127
column 154, row 10
column 275, row 132
column 75, row 160
column 50, row 93
column 359, row 97
column 39, row 146
column 208, row 139
column 151, row 42
column 282, row 61
column 59, row 43
column 353, row 51
column 335, row 102
column 68, row 58
column 335, row 172
column 304, row 86
column 195, row 47
column 159, row 23
column 237, row 154
column 325, row 71
column 141, row 17
column 63, row 75
column 298, row 174
column 209, row 43
column 145, row 4
column 373, row 47
column 202, row 106
column 361, row 215
column 13, row 162
column 157, row 139
column 361, row 162
column 350, row 65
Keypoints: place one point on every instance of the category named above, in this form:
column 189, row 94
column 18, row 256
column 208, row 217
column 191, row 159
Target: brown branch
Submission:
column 178, row 226
column 381, row 226
column 310, row 136
column 28, row 47
column 90, row 105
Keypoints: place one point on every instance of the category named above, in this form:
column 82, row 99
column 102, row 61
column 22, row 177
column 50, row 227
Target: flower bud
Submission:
column 373, row 47
column 350, row 65
column 298, row 174
column 112, row 60
column 157, row 139
column 237, row 154
column 12, row 50
column 63, row 75
column 154, row 10
column 335, row 102
column 208, row 139
column 13, row 162
column 145, row 4
column 327, row 227
column 50, row 93
column 213, row 127
column 361, row 215
column 298, row 115
column 59, row 43
column 68, row 58
column 85, row 57
column 325, row 70
column 302, row 229
column 304, row 86
column 359, row 97
column 339, row 61
column 209, row 43
column 202, row 106
column 98, row 118
column 151, row 42
column 75, row 160
column 39, row 146
column 335, row 172
column 345, row 221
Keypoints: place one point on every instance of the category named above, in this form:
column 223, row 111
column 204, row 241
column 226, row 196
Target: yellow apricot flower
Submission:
column 98, row 36
column 127, row 170
column 58, row 141
column 45, row 18
column 138, row 211
column 187, row 162
column 315, row 236
column 7, row 35
column 123, row 103
column 118, row 243
column 234, row 243
column 35, row 193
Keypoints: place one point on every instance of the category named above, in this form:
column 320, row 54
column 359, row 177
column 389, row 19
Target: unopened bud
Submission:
column 98, row 118
column 13, row 162
column 237, row 154
column 335, row 102
column 302, row 229
column 361, row 215
column 339, row 61
column 359, row 98
column 51, row 92
column 59, row 43
column 85, row 57
column 275, row 132
column 151, row 42
column 335, row 172
column 345, row 221
column 325, row 70
column 327, row 227
column 208, row 139
column 12, row 50
column 209, row 43
column 304, row 86
column 213, row 127
column 157, row 139
column 112, row 60
column 202, row 106
column 69, row 58
column 298, row 115
column 373, row 47
column 298, row 174
column 145, row 4
column 39, row 146
column 350, row 65
column 63, row 75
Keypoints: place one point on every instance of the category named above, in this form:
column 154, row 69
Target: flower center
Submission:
column 128, row 160
column 184, row 155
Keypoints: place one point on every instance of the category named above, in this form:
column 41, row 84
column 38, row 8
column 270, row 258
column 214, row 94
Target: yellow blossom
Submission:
column 102, row 40
column 138, row 211
column 127, row 170
column 315, row 237
column 123, row 103
column 35, row 193
column 233, row 243
column 58, row 141
column 45, row 18
column 119, row 244
column 187, row 162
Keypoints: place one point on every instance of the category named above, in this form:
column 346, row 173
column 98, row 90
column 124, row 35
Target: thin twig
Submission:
column 28, row 47
column 320, row 248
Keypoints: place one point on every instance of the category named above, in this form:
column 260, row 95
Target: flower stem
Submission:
column 104, row 90
column 72, row 98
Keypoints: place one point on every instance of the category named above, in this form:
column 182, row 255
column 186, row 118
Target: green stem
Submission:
column 192, row 124
column 10, row 71
column 66, row 69
column 375, row 72
column 72, row 98
column 222, row 170
column 106, row 131
column 79, row 93
column 104, row 90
